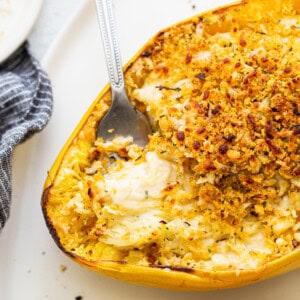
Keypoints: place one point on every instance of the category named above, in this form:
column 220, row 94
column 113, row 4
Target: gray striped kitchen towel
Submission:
column 25, row 108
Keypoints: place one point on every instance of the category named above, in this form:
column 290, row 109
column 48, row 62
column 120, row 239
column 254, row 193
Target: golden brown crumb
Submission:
column 63, row 268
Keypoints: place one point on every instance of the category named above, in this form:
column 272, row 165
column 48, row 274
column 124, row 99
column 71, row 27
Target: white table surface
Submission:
column 54, row 15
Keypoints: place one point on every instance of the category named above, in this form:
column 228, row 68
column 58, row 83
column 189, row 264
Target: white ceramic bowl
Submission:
column 19, row 21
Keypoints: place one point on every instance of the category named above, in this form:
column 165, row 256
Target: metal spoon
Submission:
column 122, row 119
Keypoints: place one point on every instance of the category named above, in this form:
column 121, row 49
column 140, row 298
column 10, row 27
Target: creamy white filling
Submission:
column 203, row 56
column 287, row 23
column 136, row 190
column 133, row 230
column 149, row 94
column 138, row 186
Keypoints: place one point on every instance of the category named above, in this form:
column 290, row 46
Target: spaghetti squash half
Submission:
column 213, row 201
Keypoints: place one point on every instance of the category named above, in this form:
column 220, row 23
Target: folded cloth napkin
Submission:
column 25, row 108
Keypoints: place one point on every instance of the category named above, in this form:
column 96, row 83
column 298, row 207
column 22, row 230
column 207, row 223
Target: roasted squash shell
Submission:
column 222, row 90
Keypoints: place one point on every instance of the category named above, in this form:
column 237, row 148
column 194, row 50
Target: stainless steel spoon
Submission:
column 122, row 119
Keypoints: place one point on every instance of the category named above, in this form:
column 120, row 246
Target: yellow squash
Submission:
column 222, row 90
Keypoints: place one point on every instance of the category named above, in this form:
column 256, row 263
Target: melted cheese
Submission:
column 137, row 187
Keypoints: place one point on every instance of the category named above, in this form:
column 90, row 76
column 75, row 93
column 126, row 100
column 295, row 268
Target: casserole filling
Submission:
column 218, row 185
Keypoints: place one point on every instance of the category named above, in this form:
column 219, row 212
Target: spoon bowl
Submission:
column 122, row 119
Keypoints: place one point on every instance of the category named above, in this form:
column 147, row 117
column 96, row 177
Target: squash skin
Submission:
column 165, row 276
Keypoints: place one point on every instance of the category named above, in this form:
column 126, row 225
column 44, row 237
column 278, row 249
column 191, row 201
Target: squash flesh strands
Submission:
column 219, row 206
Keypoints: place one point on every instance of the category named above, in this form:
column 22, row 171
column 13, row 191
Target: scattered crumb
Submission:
column 44, row 252
column 29, row 271
column 78, row 298
column 193, row 5
column 63, row 268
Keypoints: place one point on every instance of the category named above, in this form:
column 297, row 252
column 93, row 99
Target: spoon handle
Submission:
column 110, row 43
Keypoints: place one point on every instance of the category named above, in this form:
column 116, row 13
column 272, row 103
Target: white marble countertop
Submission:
column 54, row 16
